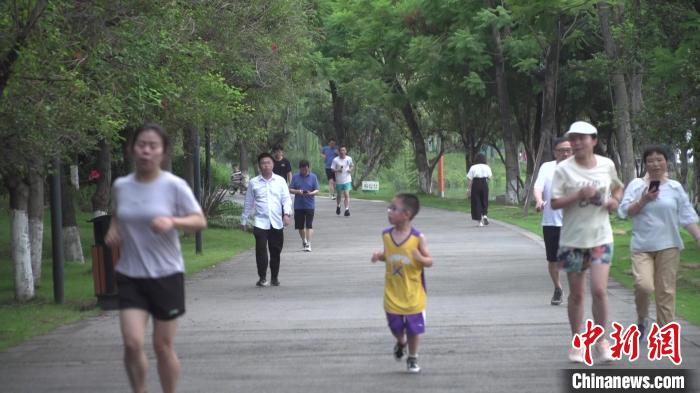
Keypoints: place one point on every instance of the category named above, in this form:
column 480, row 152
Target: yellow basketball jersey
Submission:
column 404, row 287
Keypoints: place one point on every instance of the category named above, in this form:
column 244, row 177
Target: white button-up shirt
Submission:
column 271, row 200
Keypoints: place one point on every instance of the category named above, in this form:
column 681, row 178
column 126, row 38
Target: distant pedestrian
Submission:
column 405, row 255
column 478, row 189
column 658, row 207
column 268, row 195
column 304, row 186
column 150, row 206
column 551, row 218
column 282, row 166
column 238, row 181
column 587, row 188
column 329, row 152
column 342, row 167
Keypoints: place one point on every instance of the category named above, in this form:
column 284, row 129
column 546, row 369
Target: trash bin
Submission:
column 103, row 260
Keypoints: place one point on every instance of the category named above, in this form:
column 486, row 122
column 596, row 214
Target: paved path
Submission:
column 490, row 325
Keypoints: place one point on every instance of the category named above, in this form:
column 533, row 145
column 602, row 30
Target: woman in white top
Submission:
column 150, row 206
column 658, row 207
column 478, row 189
column 586, row 187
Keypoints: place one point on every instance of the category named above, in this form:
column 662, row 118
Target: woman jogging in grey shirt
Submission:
column 150, row 206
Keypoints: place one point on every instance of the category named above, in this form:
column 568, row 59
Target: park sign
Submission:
column 370, row 186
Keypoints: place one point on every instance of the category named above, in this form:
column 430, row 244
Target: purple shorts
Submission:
column 413, row 324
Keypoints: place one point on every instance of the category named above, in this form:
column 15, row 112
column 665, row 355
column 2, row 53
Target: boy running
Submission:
column 405, row 254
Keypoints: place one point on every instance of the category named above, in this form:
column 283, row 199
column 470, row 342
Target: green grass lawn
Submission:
column 19, row 322
column 688, row 291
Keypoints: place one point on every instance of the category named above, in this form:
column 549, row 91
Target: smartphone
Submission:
column 654, row 185
column 304, row 192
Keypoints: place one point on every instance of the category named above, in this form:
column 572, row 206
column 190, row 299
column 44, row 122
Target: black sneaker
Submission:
column 412, row 365
column 399, row 351
column 337, row 210
column 642, row 326
column 347, row 213
column 275, row 282
column 556, row 298
column 262, row 283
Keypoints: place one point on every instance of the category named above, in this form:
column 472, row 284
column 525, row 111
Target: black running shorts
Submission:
column 551, row 242
column 164, row 297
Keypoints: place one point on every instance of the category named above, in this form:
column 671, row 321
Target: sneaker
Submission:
column 347, row 213
column 304, row 245
column 399, row 351
column 556, row 298
column 603, row 351
column 337, row 210
column 481, row 223
column 642, row 327
column 485, row 220
column 412, row 364
column 576, row 355
column 333, row 197
column 275, row 282
column 262, row 283
column 308, row 247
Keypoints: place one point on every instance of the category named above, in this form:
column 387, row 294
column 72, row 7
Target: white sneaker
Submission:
column 603, row 351
column 304, row 245
column 485, row 220
column 308, row 247
column 576, row 355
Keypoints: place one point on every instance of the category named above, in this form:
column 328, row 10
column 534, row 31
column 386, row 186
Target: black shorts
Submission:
column 164, row 297
column 303, row 216
column 551, row 242
column 330, row 174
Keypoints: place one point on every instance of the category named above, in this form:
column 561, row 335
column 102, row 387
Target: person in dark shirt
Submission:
column 282, row 165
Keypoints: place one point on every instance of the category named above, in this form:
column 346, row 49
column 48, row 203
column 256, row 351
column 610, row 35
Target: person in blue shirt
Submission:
column 304, row 186
column 328, row 153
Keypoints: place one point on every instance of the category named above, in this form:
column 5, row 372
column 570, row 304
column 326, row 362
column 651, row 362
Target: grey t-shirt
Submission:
column 143, row 253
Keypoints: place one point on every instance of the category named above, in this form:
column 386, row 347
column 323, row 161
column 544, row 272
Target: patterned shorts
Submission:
column 573, row 259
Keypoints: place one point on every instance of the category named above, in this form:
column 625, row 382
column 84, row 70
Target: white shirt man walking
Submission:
column 269, row 195
column 551, row 218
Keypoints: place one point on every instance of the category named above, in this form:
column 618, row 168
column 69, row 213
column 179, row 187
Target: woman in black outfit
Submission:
column 478, row 189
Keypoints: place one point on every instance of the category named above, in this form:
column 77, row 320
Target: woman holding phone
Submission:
column 658, row 207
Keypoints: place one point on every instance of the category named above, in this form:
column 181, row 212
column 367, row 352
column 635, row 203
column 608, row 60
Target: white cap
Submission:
column 581, row 127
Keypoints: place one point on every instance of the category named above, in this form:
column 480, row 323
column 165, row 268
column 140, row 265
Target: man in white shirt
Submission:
column 342, row 166
column 551, row 219
column 269, row 195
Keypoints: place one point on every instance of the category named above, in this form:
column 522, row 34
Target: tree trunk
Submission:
column 623, row 130
column 549, row 111
column 425, row 173
column 243, row 152
column 188, row 143
column 72, row 247
column 207, row 161
column 100, row 199
column 36, row 222
column 21, row 252
column 683, row 175
column 338, row 114
column 510, row 140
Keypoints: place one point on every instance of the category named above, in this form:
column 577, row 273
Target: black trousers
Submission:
column 272, row 239
column 479, row 198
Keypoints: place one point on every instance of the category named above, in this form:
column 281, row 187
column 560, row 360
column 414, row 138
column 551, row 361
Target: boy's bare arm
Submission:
column 422, row 255
column 378, row 256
